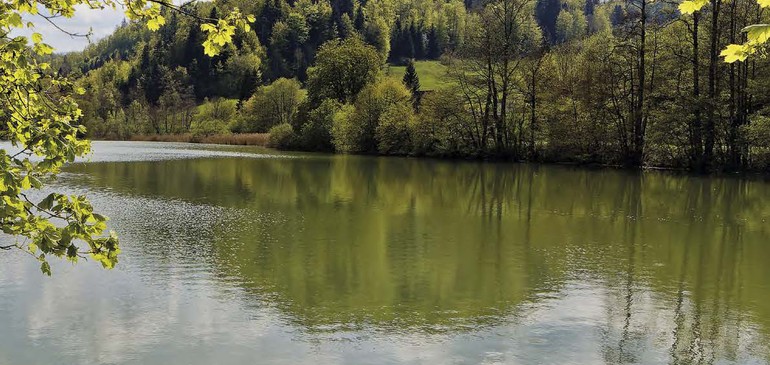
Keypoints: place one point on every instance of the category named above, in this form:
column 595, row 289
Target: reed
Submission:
column 241, row 139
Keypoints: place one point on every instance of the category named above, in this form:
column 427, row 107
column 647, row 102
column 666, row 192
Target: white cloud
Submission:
column 99, row 23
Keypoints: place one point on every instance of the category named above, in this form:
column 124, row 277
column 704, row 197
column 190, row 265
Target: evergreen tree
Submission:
column 434, row 48
column 396, row 47
column 248, row 84
column 406, row 43
column 346, row 28
column 617, row 16
column 150, row 79
column 412, row 82
column 271, row 13
column 341, row 8
column 589, row 8
column 417, row 42
column 546, row 13
column 360, row 20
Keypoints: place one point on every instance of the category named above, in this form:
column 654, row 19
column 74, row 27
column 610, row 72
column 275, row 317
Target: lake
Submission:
column 236, row 255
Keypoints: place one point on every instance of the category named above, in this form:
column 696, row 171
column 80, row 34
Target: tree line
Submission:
column 629, row 83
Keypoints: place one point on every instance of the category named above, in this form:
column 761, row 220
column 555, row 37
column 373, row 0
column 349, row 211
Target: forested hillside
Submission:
column 632, row 83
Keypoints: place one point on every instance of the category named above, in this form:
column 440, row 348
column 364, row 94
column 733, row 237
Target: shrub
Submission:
column 315, row 133
column 214, row 117
column 271, row 105
column 281, row 137
column 437, row 130
column 346, row 133
column 208, row 127
column 393, row 132
column 342, row 69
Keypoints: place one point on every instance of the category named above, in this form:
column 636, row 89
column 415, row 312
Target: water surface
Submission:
column 242, row 255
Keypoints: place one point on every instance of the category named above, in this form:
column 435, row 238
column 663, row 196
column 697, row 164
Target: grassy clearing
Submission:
column 240, row 139
column 432, row 74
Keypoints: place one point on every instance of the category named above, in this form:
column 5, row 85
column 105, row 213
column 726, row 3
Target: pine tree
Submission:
column 617, row 16
column 417, row 42
column 248, row 84
column 396, row 47
column 546, row 13
column 271, row 13
column 434, row 48
column 406, row 43
column 360, row 20
column 412, row 82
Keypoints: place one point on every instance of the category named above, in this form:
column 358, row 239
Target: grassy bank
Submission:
column 240, row 139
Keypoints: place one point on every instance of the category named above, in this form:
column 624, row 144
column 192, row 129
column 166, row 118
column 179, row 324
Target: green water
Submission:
column 247, row 256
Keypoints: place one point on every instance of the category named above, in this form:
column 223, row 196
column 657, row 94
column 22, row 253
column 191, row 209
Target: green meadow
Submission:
column 432, row 74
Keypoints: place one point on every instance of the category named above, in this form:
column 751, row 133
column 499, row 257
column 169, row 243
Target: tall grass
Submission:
column 241, row 139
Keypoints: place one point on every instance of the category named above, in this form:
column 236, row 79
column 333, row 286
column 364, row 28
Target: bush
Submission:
column 394, row 130
column 208, row 127
column 271, row 105
column 757, row 134
column 359, row 128
column 437, row 130
column 342, row 68
column 346, row 133
column 214, row 117
column 315, row 133
column 282, row 137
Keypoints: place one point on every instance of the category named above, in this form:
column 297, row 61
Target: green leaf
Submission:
column 25, row 183
column 45, row 268
column 691, row 6
column 758, row 33
column 47, row 203
column 156, row 22
column 736, row 52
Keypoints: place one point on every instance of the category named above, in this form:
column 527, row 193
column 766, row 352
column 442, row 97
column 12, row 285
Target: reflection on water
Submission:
column 236, row 254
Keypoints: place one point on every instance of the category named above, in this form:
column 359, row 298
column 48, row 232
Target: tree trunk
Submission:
column 710, row 138
column 637, row 157
column 533, row 115
column 732, row 138
column 696, row 132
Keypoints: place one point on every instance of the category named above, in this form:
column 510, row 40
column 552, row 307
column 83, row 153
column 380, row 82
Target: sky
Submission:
column 101, row 22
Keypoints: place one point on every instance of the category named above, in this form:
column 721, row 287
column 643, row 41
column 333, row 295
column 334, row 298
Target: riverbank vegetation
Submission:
column 628, row 83
column 237, row 139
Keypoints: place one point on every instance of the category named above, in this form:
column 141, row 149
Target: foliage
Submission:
column 214, row 117
column 542, row 80
column 439, row 127
column 315, row 131
column 394, row 130
column 379, row 121
column 342, row 69
column 281, row 136
column 756, row 34
column 346, row 132
column 412, row 82
column 271, row 105
column 41, row 117
column 371, row 104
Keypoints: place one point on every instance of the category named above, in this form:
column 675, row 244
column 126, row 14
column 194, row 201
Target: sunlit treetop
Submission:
column 39, row 117
column 757, row 35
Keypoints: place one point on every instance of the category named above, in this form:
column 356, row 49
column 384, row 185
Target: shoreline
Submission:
column 261, row 139
column 234, row 139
